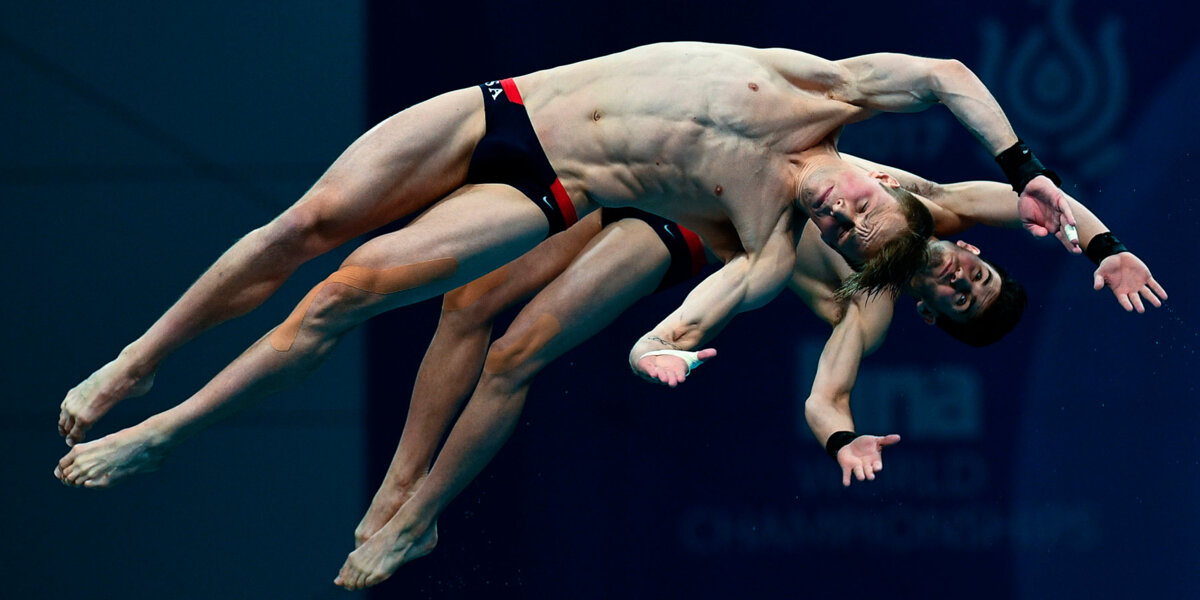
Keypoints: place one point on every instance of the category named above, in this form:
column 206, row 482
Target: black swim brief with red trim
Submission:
column 687, row 251
column 510, row 153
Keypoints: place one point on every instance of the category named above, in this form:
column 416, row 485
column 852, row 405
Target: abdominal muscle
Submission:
column 696, row 133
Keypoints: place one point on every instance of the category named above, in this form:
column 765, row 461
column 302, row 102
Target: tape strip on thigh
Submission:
column 504, row 359
column 375, row 281
column 460, row 298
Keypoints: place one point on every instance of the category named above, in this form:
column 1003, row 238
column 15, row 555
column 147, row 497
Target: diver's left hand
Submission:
column 1130, row 281
column 670, row 367
column 863, row 457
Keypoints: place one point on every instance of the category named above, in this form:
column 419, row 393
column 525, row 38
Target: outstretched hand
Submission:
column 1044, row 211
column 863, row 457
column 667, row 368
column 1130, row 281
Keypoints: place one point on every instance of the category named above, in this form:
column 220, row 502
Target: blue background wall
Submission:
column 139, row 142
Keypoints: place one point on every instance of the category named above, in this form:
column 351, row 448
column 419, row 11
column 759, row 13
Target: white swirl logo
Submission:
column 1059, row 93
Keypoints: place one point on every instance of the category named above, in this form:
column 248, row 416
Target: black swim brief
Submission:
column 510, row 153
column 687, row 251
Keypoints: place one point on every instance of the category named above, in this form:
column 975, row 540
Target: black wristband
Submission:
column 1103, row 246
column 1021, row 166
column 837, row 441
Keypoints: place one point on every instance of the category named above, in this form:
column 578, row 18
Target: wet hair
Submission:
column 995, row 321
column 899, row 259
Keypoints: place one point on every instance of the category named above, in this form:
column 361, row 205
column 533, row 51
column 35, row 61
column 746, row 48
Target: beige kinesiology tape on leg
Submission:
column 502, row 360
column 375, row 281
column 460, row 298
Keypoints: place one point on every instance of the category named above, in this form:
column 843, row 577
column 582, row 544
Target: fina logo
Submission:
column 1063, row 96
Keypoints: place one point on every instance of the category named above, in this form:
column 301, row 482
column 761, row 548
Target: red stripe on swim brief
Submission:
column 564, row 203
column 510, row 90
column 696, row 247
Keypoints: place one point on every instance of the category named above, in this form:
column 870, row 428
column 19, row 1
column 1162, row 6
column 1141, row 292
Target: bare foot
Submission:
column 112, row 458
column 385, row 552
column 88, row 401
column 384, row 505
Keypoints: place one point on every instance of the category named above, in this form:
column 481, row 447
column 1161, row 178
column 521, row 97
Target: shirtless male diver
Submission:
column 621, row 265
column 725, row 140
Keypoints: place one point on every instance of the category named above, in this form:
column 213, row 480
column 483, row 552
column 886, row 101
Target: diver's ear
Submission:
column 927, row 314
column 968, row 247
column 884, row 178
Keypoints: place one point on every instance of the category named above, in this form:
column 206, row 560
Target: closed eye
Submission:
column 863, row 229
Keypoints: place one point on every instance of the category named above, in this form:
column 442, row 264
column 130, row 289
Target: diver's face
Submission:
column 955, row 284
column 855, row 213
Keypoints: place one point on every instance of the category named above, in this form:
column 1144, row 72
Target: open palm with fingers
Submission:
column 864, row 457
column 1130, row 280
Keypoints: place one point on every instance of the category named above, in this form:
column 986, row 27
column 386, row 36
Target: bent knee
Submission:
column 311, row 225
column 460, row 324
column 333, row 303
column 520, row 353
column 295, row 232
column 476, row 304
column 327, row 308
